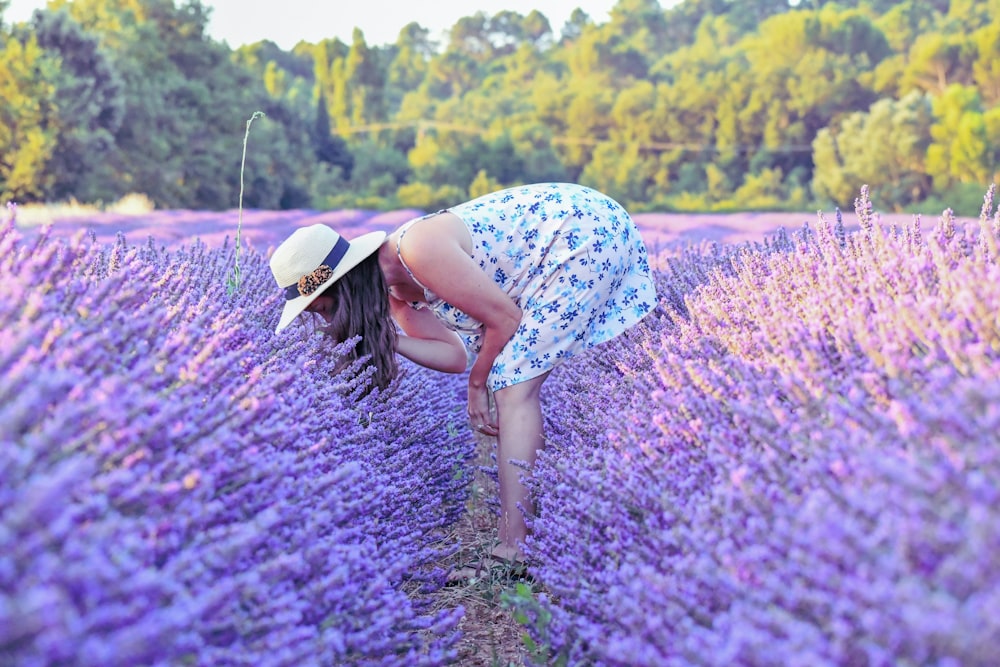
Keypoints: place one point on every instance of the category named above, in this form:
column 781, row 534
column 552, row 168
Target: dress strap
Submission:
column 399, row 240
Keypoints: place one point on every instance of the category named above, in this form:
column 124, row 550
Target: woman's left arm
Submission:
column 427, row 341
column 439, row 255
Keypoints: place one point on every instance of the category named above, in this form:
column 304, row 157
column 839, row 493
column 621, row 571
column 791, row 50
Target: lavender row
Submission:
column 178, row 485
column 794, row 462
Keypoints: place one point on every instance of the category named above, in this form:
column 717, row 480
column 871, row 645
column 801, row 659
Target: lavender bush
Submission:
column 180, row 486
column 795, row 462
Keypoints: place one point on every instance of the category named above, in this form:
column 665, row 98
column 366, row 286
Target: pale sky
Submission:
column 286, row 22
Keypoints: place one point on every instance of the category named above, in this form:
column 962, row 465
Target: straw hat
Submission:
column 312, row 259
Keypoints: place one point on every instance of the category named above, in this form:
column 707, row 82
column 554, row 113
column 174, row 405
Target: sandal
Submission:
column 512, row 568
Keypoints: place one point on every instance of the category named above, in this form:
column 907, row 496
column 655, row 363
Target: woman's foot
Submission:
column 502, row 563
column 507, row 554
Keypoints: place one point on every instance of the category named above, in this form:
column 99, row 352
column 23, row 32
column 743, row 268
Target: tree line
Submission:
column 708, row 105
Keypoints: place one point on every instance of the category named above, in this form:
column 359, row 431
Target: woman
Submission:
column 522, row 278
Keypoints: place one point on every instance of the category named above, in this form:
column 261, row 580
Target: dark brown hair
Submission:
column 361, row 308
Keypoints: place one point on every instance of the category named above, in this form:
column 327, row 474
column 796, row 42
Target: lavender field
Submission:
column 794, row 461
column 180, row 486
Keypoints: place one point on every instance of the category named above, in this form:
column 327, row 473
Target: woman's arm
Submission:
column 439, row 255
column 427, row 341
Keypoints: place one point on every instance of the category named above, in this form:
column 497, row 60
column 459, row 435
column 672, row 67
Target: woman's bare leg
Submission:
column 519, row 415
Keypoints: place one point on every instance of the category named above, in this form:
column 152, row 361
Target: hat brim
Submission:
column 360, row 249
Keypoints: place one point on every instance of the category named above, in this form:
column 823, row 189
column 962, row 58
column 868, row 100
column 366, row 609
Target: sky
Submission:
column 286, row 22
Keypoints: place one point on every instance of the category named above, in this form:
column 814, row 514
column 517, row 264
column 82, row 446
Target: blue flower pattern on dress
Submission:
column 573, row 261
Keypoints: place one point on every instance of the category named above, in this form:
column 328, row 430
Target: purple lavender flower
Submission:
column 794, row 464
column 176, row 485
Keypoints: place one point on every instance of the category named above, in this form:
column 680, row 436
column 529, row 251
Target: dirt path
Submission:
column 490, row 635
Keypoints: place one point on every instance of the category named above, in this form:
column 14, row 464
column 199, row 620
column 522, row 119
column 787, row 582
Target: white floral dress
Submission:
column 569, row 256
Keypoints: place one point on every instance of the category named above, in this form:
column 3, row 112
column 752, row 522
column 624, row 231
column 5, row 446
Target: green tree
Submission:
column 297, row 63
column 684, row 19
column 642, row 22
column 275, row 80
column 807, row 68
column 701, row 101
column 936, row 61
column 505, row 32
column 453, row 73
column 904, row 21
column 537, row 154
column 90, row 105
column 186, row 105
column 964, row 16
column 538, row 31
column 329, row 148
column 450, row 160
column 747, row 15
column 874, row 6
column 902, row 25
column 966, row 139
column 986, row 63
column 28, row 77
column 470, row 37
column 408, row 64
column 287, row 76
column 379, row 170
column 486, row 38
column 587, row 121
column 482, row 185
column 885, row 148
column 575, row 26
column 363, row 77
column 340, row 94
column 581, row 56
column 613, row 169
column 624, row 167
column 770, row 190
column 327, row 58
column 429, row 198
column 612, row 53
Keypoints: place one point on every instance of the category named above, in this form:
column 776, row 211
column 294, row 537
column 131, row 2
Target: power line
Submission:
column 423, row 125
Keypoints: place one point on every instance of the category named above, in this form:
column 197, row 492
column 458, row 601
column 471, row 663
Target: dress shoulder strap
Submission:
column 399, row 240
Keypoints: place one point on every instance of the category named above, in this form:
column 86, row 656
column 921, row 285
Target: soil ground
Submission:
column 491, row 637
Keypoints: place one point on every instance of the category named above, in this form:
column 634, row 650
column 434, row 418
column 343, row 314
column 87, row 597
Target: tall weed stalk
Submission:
column 233, row 281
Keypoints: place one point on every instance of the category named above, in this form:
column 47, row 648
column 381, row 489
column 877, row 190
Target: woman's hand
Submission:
column 439, row 257
column 479, row 411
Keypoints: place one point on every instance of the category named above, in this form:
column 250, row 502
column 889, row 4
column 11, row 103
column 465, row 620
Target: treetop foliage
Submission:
column 708, row 105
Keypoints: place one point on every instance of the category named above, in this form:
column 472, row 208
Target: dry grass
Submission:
column 490, row 635
column 33, row 215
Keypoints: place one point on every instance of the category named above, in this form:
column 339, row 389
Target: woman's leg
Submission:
column 519, row 415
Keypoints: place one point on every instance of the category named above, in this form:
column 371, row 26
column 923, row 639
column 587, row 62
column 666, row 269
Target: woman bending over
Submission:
column 521, row 279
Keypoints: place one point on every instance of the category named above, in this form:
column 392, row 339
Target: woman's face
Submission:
column 323, row 305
